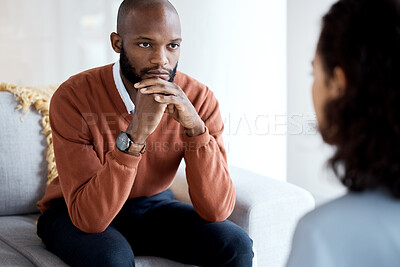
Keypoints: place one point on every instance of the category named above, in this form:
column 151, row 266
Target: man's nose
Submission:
column 159, row 57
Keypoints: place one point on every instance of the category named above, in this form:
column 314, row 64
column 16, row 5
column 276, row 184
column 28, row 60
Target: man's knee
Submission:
column 113, row 257
column 240, row 246
column 235, row 246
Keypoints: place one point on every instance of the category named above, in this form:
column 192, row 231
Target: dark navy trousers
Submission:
column 155, row 226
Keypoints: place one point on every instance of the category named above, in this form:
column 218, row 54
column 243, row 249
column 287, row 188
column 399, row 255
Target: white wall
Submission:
column 306, row 154
column 46, row 41
column 237, row 48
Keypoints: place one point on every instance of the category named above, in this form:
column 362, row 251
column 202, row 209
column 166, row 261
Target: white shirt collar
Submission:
column 130, row 107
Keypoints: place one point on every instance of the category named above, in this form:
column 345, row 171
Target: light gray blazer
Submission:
column 356, row 230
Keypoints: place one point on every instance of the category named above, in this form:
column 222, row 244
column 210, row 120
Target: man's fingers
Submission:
column 148, row 82
column 157, row 86
column 159, row 89
column 170, row 100
column 171, row 108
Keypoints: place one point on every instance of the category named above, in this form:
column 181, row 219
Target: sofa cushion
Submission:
column 11, row 257
column 23, row 168
column 18, row 233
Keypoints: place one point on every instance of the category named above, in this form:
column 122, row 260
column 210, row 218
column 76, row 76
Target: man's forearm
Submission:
column 211, row 188
column 196, row 130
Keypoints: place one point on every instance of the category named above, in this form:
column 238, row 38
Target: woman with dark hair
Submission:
column 356, row 94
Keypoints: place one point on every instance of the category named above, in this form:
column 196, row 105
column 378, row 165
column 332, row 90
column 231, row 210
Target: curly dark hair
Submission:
column 363, row 38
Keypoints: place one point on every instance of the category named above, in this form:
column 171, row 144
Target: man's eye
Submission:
column 173, row 46
column 144, row 45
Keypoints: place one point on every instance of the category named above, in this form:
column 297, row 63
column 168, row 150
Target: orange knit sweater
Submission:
column 95, row 178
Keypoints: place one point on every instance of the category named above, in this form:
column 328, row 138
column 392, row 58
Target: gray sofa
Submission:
column 266, row 208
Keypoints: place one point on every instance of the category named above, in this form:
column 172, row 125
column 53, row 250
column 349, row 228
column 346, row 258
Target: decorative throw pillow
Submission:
column 26, row 147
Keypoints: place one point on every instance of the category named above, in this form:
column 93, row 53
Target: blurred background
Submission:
column 255, row 55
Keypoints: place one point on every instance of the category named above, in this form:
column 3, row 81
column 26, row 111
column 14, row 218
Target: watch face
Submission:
column 123, row 141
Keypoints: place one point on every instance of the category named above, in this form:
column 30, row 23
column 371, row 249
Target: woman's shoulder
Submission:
column 358, row 229
column 355, row 208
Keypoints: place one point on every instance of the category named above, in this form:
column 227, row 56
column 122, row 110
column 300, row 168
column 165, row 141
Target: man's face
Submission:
column 133, row 75
column 150, row 45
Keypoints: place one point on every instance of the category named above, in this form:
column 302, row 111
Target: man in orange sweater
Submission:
column 120, row 132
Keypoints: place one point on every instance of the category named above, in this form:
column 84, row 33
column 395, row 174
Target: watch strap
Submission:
column 136, row 146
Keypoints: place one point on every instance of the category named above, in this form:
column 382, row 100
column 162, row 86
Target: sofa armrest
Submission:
column 266, row 208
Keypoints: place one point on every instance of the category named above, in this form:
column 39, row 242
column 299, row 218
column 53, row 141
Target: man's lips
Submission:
column 157, row 74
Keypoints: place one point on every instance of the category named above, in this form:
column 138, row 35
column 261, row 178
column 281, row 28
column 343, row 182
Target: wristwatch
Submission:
column 124, row 142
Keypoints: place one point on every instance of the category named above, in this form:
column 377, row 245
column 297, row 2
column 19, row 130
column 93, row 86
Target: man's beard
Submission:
column 130, row 72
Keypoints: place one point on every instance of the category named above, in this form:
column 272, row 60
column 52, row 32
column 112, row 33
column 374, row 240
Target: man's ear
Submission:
column 116, row 42
column 339, row 82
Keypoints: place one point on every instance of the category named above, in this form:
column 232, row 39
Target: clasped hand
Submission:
column 157, row 96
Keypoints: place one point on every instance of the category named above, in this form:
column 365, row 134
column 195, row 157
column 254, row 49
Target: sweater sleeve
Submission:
column 210, row 186
column 94, row 191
